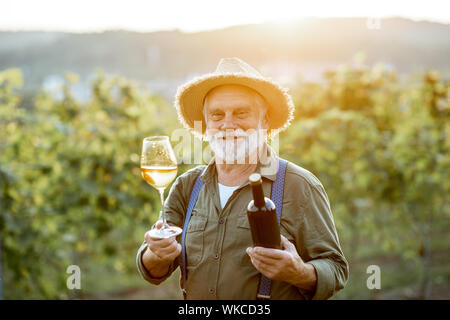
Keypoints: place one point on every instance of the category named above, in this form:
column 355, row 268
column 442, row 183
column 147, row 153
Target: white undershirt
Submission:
column 225, row 193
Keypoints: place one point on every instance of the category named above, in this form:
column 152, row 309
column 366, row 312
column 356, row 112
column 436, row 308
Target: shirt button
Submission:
column 216, row 256
column 221, row 220
column 211, row 290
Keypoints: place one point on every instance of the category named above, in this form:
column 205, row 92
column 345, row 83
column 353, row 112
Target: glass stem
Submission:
column 163, row 214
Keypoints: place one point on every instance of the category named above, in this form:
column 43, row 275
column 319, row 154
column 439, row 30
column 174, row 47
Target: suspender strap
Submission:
column 277, row 197
column 265, row 283
column 193, row 199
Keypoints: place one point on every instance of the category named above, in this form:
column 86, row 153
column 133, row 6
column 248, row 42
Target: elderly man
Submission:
column 219, row 261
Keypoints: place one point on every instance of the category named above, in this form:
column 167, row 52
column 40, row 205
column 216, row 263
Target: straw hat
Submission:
column 190, row 96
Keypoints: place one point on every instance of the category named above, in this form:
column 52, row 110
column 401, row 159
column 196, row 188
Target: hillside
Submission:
column 164, row 59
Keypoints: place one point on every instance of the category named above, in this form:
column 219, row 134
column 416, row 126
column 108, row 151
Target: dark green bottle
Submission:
column 262, row 216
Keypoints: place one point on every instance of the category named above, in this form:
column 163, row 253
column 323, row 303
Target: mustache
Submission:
column 229, row 134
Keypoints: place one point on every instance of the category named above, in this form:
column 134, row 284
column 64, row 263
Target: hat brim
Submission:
column 190, row 98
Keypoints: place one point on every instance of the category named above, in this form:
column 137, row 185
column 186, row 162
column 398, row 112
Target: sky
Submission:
column 198, row 15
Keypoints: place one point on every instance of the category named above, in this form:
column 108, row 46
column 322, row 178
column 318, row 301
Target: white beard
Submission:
column 231, row 150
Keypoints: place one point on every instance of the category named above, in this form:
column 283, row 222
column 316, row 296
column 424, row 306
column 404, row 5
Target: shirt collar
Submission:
column 267, row 166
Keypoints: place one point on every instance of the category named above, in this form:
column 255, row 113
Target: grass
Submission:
column 400, row 278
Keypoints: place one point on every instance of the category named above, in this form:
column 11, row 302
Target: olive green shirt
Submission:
column 218, row 266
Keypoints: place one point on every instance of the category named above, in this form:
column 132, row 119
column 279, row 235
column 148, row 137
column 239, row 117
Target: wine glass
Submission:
column 159, row 169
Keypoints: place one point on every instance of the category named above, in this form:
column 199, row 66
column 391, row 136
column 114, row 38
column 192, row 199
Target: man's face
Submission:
column 234, row 118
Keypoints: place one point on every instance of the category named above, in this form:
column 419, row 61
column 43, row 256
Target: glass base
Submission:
column 168, row 232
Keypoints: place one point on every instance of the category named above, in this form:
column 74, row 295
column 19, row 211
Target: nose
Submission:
column 228, row 122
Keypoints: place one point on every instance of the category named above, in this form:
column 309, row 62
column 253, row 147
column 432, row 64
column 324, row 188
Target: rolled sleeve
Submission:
column 144, row 272
column 322, row 247
column 325, row 286
column 174, row 206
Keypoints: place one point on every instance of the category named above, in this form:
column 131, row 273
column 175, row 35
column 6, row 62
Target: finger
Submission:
column 255, row 258
column 177, row 252
column 268, row 252
column 266, row 261
column 160, row 242
column 254, row 253
column 172, row 247
column 174, row 254
column 286, row 244
column 262, row 267
column 265, row 269
column 167, row 253
column 254, row 262
column 156, row 246
column 163, row 241
column 164, row 250
column 168, row 256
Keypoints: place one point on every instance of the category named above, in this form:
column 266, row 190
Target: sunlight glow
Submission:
column 195, row 15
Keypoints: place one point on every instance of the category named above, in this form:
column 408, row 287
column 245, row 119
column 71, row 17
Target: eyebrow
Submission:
column 235, row 108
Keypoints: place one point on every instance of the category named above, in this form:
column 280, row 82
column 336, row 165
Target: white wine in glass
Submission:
column 159, row 177
column 159, row 169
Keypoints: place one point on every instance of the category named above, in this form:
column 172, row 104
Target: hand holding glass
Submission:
column 159, row 169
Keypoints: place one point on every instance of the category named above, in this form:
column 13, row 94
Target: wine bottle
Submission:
column 262, row 216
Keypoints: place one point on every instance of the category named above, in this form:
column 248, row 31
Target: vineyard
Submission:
column 71, row 191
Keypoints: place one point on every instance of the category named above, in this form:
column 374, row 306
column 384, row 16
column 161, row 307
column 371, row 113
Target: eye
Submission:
column 242, row 114
column 216, row 115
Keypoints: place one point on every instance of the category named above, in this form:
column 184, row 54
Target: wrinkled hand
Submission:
column 166, row 250
column 283, row 265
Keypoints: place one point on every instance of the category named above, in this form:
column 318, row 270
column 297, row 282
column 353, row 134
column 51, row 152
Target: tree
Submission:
column 74, row 190
column 421, row 153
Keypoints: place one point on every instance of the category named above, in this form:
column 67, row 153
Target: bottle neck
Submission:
column 258, row 195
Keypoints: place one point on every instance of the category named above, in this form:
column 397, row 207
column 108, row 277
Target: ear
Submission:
column 265, row 121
